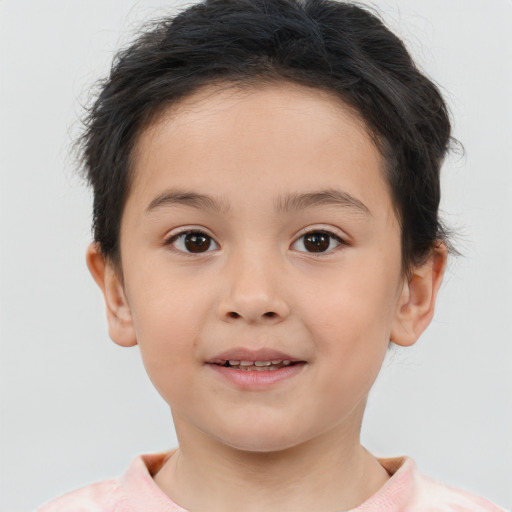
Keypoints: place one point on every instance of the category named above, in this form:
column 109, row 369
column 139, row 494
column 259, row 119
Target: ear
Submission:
column 119, row 317
column 416, row 304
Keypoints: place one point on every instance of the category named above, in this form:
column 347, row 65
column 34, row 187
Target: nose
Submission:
column 253, row 292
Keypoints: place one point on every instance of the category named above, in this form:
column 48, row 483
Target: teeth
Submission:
column 259, row 366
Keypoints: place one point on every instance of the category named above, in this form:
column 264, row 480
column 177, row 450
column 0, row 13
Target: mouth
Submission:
column 257, row 366
column 256, row 369
column 243, row 359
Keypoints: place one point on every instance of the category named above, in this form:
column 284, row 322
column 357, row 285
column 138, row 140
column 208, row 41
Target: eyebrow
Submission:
column 329, row 197
column 193, row 199
column 287, row 203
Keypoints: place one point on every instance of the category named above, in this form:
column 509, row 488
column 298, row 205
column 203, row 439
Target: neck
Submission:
column 333, row 472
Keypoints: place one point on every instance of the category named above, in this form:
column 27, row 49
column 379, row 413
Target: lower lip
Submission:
column 254, row 380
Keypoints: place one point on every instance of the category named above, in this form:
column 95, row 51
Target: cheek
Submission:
column 168, row 316
column 350, row 320
column 357, row 300
column 166, row 331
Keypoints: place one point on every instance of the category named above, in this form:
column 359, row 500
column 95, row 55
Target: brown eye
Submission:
column 317, row 241
column 194, row 242
column 197, row 242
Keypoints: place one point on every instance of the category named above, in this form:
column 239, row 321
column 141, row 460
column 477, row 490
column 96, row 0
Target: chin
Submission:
column 261, row 441
column 264, row 432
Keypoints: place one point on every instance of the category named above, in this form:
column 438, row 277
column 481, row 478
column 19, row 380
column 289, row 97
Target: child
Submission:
column 266, row 191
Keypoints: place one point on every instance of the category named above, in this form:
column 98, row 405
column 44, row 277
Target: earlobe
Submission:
column 416, row 304
column 120, row 323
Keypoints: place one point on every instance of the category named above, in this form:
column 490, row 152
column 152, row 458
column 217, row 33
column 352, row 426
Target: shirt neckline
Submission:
column 142, row 493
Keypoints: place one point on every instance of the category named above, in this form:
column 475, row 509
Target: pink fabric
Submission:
column 406, row 491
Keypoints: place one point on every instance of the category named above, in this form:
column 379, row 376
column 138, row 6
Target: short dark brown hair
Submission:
column 327, row 44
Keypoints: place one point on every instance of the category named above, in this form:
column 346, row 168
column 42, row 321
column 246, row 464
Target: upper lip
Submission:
column 244, row 354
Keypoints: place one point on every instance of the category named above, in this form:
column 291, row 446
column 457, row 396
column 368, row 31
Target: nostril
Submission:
column 268, row 314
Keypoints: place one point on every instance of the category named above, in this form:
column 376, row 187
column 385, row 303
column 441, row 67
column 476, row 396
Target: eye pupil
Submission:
column 316, row 242
column 196, row 242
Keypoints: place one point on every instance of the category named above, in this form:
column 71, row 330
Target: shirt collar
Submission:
column 143, row 495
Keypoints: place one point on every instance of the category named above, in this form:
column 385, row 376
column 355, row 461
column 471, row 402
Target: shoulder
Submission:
column 410, row 490
column 103, row 496
column 431, row 495
column 134, row 490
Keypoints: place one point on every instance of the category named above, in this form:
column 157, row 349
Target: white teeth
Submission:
column 258, row 363
column 259, row 366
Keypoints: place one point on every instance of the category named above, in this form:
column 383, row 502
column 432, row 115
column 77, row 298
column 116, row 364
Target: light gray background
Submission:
column 75, row 408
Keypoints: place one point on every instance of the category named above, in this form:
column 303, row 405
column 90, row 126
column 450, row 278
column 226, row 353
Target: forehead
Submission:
column 228, row 139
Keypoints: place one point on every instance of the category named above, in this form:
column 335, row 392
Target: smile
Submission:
column 258, row 366
column 255, row 369
column 257, row 375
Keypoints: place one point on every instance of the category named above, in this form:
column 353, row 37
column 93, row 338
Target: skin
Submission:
column 293, row 445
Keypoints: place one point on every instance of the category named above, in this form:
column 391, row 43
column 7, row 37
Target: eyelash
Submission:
column 182, row 234
column 329, row 234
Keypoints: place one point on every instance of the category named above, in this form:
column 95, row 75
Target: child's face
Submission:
column 265, row 184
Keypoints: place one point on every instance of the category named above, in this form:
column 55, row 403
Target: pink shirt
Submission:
column 406, row 491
